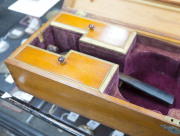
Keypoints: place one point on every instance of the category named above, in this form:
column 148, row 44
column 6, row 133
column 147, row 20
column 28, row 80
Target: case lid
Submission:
column 151, row 16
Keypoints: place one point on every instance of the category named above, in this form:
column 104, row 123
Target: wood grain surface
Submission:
column 77, row 67
column 107, row 33
column 110, row 111
column 136, row 15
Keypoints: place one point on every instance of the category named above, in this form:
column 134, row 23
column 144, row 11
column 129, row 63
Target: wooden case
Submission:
column 36, row 71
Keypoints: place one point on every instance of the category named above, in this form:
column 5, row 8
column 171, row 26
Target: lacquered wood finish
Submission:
column 77, row 67
column 107, row 33
column 136, row 14
column 110, row 111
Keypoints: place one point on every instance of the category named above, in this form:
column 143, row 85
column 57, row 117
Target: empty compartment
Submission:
column 65, row 40
column 156, row 63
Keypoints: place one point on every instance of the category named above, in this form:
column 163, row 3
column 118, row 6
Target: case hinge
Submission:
column 171, row 129
column 80, row 13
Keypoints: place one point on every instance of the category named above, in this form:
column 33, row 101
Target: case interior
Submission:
column 149, row 60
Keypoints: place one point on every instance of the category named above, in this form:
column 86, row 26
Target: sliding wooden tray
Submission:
column 142, row 39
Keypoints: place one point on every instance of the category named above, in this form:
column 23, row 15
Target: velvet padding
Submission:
column 104, row 53
column 112, row 88
column 156, row 79
column 149, row 60
column 159, row 67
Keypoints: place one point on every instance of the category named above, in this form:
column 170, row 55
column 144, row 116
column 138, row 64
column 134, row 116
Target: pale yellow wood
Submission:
column 135, row 15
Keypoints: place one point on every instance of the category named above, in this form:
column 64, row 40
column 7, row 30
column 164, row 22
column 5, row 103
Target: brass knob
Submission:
column 91, row 26
column 61, row 59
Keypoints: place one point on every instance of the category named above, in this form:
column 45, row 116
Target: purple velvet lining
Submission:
column 178, row 82
column 48, row 36
column 163, row 46
column 54, row 36
column 178, row 72
column 48, row 39
column 112, row 88
column 156, row 79
column 151, row 61
column 157, row 64
column 66, row 40
column 104, row 53
column 37, row 43
column 154, row 62
column 114, row 82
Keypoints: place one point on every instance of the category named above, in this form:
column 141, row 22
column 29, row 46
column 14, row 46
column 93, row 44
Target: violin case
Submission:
column 101, row 38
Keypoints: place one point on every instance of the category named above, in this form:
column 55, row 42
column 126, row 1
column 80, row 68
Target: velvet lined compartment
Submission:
column 54, row 36
column 149, row 60
column 106, row 54
column 157, row 66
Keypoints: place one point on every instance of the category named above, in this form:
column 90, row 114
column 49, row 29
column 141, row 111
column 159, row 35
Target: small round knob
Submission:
column 91, row 26
column 61, row 59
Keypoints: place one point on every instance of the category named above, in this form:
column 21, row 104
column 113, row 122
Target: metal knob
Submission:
column 61, row 59
column 91, row 26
